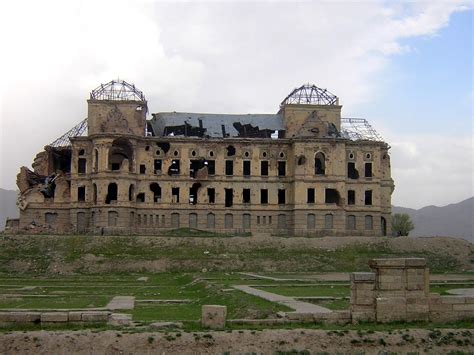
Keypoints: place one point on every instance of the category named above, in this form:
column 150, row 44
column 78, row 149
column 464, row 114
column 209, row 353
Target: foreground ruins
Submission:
column 302, row 171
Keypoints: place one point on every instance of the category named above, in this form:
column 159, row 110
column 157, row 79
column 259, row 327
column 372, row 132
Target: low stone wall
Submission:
column 12, row 318
column 398, row 290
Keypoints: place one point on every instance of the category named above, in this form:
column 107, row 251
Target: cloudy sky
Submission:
column 404, row 66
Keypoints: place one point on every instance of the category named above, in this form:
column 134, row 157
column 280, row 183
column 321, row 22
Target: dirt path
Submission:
column 298, row 306
column 236, row 342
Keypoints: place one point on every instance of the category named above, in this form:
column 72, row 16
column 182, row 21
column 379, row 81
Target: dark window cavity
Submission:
column 112, row 192
column 263, row 196
column 229, row 197
column 351, row 197
column 156, row 189
column 211, row 195
column 81, row 166
column 175, row 194
column 352, row 172
column 81, row 193
column 264, row 168
column 157, row 166
column 310, row 195
column 246, row 196
column 281, row 168
column 368, row 198
column 229, row 167
column 174, row 168
column 246, row 167
column 368, row 169
column 332, row 196
column 281, row 196
column 319, row 164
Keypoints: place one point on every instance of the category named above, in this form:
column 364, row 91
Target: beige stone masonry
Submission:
column 213, row 316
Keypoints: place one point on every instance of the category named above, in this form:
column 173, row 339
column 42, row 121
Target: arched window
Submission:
column 383, row 225
column 113, row 218
column 229, row 221
column 112, row 193
column 319, row 164
column 246, row 221
column 193, row 220
column 175, row 220
column 351, row 222
column 120, row 151
column 328, row 221
column 369, row 222
column 281, row 222
column 211, row 221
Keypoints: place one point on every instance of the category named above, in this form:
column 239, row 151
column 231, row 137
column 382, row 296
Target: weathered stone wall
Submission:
column 398, row 290
column 116, row 151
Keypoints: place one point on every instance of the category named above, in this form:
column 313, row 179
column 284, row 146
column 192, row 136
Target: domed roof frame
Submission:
column 117, row 90
column 310, row 95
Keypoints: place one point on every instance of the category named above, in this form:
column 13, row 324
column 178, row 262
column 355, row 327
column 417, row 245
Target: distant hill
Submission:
column 8, row 206
column 454, row 220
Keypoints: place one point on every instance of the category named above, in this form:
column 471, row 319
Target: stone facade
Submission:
column 302, row 171
column 398, row 290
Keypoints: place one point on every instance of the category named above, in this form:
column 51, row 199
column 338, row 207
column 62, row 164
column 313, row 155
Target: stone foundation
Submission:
column 398, row 290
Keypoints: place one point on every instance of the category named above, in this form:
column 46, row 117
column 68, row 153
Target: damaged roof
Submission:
column 216, row 125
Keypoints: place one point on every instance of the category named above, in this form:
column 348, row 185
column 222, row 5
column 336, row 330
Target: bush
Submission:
column 402, row 224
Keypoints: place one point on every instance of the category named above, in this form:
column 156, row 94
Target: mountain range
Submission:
column 454, row 220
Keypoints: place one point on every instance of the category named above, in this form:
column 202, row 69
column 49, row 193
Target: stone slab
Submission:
column 54, row 317
column 213, row 316
column 95, row 316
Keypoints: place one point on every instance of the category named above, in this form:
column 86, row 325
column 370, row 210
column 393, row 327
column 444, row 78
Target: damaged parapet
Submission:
column 398, row 290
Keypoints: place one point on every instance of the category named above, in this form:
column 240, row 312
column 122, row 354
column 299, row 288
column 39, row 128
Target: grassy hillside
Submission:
column 94, row 254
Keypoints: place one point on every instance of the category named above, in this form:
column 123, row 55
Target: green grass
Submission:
column 186, row 254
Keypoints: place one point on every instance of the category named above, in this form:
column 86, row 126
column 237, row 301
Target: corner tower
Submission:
column 117, row 107
column 309, row 111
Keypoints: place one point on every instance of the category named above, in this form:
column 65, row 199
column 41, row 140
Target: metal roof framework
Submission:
column 310, row 95
column 117, row 90
column 80, row 130
column 359, row 129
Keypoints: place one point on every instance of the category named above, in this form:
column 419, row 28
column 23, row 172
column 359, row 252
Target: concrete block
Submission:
column 418, row 308
column 95, row 316
column 383, row 262
column 414, row 316
column 213, row 316
column 364, row 286
column 463, row 307
column 415, row 262
column 363, row 317
column 453, row 299
column 54, row 317
column 469, row 299
column 75, row 316
column 119, row 319
column 362, row 276
column 20, row 317
column 440, row 307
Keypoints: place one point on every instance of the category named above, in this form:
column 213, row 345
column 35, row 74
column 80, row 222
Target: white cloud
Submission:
column 433, row 168
column 205, row 56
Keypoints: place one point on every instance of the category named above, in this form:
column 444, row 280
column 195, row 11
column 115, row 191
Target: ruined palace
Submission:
column 302, row 171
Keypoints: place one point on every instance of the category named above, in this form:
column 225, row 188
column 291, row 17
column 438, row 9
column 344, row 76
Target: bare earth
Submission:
column 236, row 342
